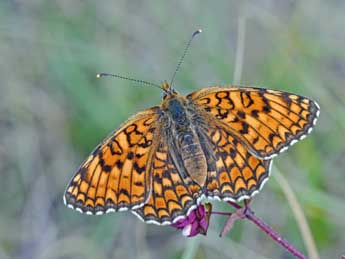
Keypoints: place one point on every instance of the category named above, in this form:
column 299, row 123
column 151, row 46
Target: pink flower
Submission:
column 196, row 222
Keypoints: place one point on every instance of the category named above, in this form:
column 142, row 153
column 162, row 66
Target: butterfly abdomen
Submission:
column 187, row 141
column 193, row 157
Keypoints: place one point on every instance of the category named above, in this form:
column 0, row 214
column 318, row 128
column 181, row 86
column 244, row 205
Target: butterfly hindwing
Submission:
column 234, row 173
column 172, row 197
column 115, row 176
column 266, row 121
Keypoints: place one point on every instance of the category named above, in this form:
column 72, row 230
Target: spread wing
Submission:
column 233, row 173
column 115, row 176
column 266, row 121
column 172, row 196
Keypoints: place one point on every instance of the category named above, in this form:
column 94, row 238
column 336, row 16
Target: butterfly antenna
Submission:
column 183, row 55
column 130, row 79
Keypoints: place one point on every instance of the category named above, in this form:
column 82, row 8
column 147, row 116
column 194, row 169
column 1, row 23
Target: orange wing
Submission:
column 266, row 121
column 172, row 197
column 115, row 176
column 233, row 173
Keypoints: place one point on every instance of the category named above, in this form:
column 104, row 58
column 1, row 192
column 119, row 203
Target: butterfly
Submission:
column 217, row 143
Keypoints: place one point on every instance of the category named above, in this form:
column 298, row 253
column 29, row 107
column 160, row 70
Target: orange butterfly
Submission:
column 217, row 142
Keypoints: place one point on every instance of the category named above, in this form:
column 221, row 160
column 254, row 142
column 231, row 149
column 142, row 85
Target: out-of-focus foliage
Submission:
column 53, row 111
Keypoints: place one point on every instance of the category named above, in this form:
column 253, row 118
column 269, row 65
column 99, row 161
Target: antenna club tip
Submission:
column 197, row 32
column 98, row 75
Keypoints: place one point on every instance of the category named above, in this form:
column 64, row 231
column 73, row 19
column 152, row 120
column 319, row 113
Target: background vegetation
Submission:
column 53, row 111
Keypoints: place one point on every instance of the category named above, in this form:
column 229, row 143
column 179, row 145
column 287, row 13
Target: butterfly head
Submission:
column 168, row 91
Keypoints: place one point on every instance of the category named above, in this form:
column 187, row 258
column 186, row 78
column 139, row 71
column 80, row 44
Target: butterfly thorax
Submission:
column 186, row 140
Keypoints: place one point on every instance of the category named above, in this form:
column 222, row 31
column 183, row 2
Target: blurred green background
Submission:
column 53, row 112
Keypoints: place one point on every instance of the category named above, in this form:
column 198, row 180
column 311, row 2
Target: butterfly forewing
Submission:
column 116, row 176
column 266, row 121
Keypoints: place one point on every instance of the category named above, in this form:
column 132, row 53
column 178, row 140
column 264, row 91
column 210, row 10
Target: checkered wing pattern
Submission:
column 233, row 172
column 116, row 174
column 173, row 196
column 266, row 121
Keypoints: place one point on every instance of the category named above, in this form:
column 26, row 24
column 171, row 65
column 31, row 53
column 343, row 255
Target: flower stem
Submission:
column 221, row 213
column 249, row 214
